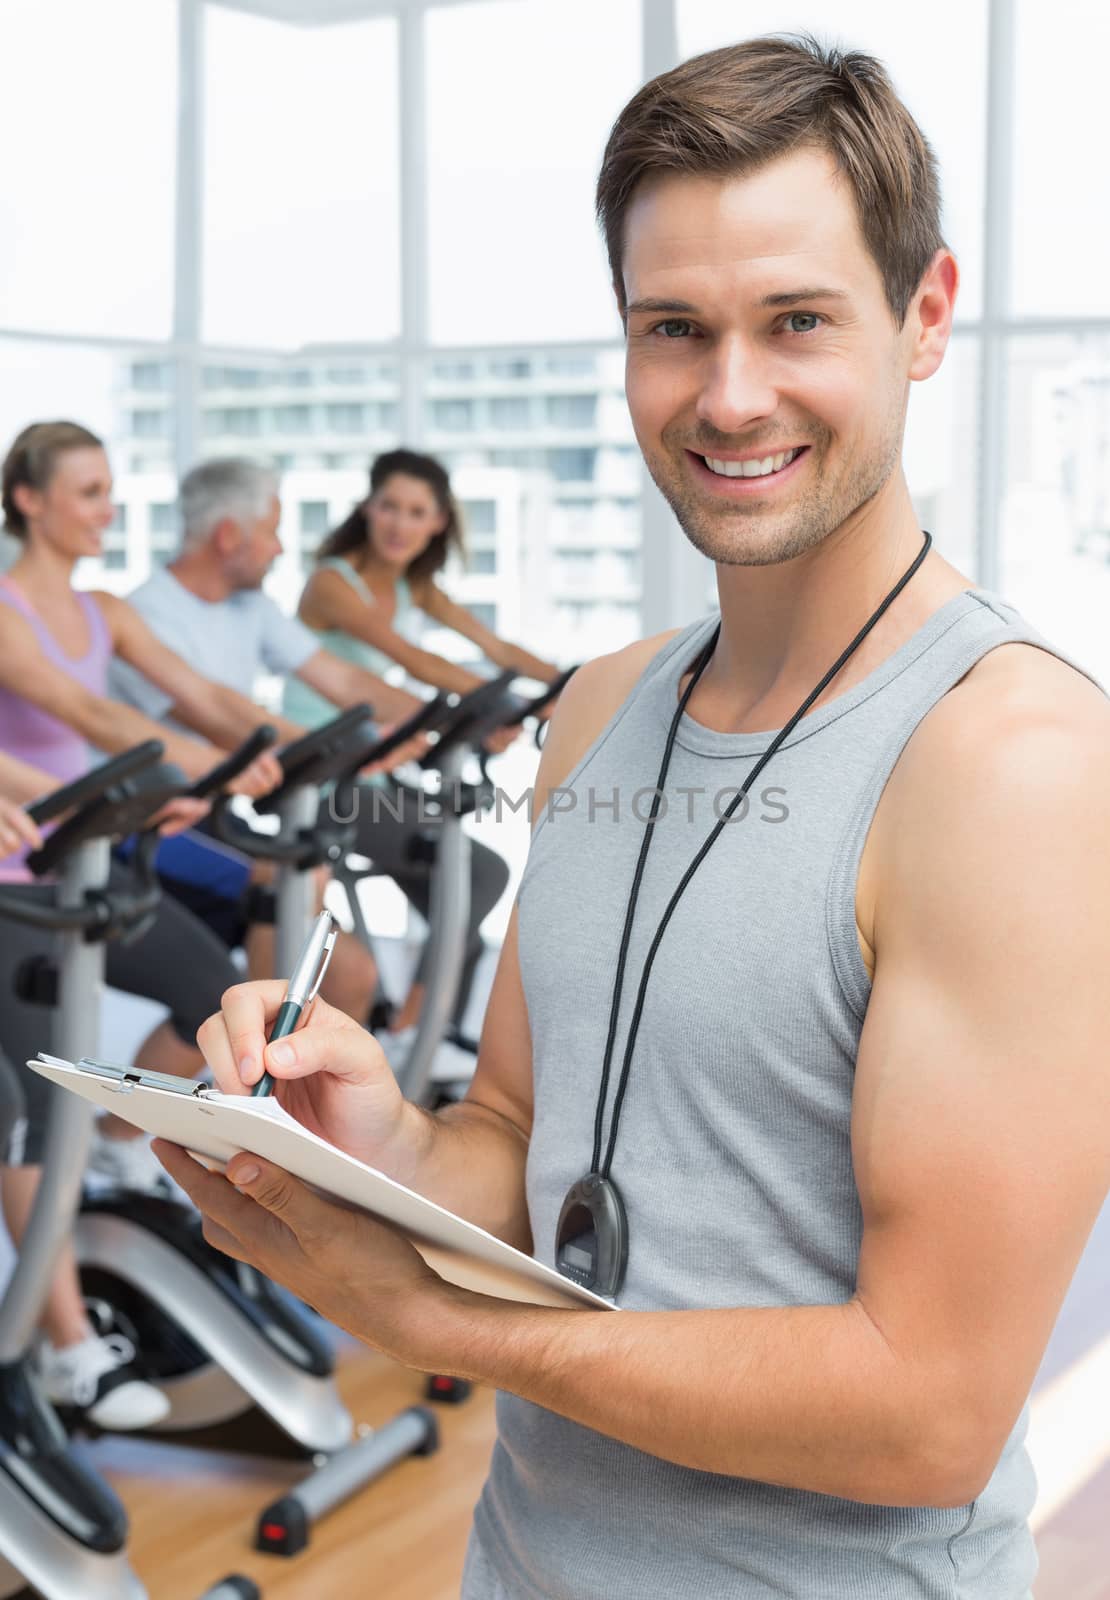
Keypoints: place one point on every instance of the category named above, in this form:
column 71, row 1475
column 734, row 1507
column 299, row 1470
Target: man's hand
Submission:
column 178, row 815
column 497, row 742
column 264, row 774
column 331, row 1075
column 16, row 830
column 411, row 750
column 358, row 1273
column 197, row 759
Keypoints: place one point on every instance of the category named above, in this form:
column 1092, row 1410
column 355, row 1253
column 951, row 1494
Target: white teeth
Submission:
column 750, row 469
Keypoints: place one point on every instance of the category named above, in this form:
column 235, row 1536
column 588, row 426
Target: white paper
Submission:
column 217, row 1126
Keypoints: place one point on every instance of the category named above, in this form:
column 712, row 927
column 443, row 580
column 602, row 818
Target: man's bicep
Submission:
column 502, row 1081
column 981, row 1110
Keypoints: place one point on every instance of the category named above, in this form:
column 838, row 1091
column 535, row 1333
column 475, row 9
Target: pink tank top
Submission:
column 34, row 735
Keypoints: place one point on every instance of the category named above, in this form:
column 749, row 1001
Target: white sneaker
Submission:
column 125, row 1164
column 95, row 1377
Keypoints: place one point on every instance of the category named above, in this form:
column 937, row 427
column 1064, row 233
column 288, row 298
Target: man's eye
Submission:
column 673, row 328
column 809, row 317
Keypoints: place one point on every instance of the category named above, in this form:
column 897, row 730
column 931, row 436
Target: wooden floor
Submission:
column 402, row 1538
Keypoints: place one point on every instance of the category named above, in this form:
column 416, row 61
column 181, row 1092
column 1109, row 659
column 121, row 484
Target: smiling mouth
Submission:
column 755, row 467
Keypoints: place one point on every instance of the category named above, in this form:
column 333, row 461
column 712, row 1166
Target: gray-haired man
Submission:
column 208, row 602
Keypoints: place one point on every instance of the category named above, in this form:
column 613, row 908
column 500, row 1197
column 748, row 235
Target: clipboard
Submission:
column 216, row 1126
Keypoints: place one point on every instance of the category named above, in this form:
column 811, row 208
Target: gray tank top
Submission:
column 733, row 1155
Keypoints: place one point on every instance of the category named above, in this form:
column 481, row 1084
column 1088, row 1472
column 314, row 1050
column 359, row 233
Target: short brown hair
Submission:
column 32, row 459
column 731, row 111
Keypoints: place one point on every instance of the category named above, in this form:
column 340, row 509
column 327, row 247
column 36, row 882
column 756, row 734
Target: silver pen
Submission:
column 304, row 982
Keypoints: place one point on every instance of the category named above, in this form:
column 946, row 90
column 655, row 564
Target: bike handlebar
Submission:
column 263, row 737
column 96, row 780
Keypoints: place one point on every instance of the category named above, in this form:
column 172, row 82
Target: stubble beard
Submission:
column 746, row 534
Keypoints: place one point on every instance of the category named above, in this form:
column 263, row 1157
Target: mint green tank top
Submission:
column 302, row 704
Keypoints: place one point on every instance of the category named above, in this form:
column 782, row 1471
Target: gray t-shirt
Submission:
column 230, row 641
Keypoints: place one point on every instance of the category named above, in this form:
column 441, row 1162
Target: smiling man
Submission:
column 822, row 1104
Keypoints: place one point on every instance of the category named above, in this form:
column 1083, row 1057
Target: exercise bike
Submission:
column 62, row 1528
column 243, row 1364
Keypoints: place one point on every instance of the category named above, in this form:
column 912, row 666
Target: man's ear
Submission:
column 930, row 315
column 226, row 536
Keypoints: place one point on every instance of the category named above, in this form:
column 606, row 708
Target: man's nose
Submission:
column 735, row 390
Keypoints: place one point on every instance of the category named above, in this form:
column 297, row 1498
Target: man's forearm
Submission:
column 515, row 658
column 806, row 1397
column 390, row 703
column 221, row 715
column 470, row 1160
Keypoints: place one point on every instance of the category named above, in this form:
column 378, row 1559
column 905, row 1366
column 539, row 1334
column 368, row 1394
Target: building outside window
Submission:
column 571, row 366
column 163, row 517
column 151, row 375
column 453, row 371
column 510, row 411
column 572, row 410
column 292, row 419
column 452, row 416
column 479, row 516
column 241, row 422
column 572, row 466
column 314, row 516
column 304, row 366
column 149, row 424
column 346, row 418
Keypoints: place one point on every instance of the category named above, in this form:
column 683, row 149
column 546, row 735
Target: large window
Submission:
column 1061, row 223
column 521, row 95
column 520, row 501
column 301, row 181
column 300, row 356
column 42, row 381
column 1057, row 499
column 941, row 453
column 942, row 85
column 87, row 171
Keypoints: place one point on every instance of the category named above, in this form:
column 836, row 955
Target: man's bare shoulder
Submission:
column 1018, row 700
column 1019, row 748
column 589, row 703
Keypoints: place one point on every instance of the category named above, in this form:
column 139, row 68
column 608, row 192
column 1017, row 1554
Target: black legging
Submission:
column 385, row 831
column 177, row 962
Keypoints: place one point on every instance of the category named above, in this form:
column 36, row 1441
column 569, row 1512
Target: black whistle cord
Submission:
column 622, row 959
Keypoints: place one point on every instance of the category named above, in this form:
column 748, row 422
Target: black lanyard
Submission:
column 591, row 1243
